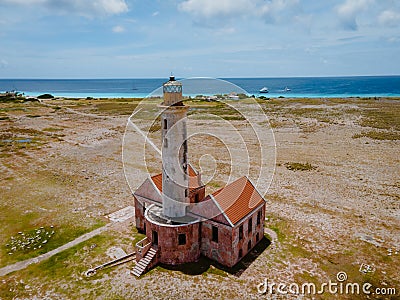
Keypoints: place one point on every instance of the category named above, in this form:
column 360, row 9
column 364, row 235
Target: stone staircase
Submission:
column 142, row 264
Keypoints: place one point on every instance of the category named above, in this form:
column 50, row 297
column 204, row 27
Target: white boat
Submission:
column 264, row 90
column 287, row 89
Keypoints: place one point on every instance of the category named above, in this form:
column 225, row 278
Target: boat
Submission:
column 264, row 90
column 287, row 89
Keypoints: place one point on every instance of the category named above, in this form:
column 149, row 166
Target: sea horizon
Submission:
column 290, row 87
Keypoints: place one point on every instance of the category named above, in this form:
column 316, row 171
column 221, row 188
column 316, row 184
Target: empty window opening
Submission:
column 241, row 232
column 182, row 239
column 250, row 225
column 215, row 234
column 155, row 237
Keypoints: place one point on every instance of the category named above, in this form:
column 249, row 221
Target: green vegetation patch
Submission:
column 382, row 115
column 14, row 139
column 115, row 107
column 52, row 129
column 12, row 98
column 215, row 110
column 31, row 243
column 296, row 166
column 30, row 240
column 57, row 273
column 45, row 96
column 379, row 135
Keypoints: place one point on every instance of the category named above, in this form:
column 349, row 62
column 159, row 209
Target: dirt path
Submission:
column 25, row 263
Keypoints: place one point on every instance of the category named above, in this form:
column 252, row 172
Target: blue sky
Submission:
column 213, row 38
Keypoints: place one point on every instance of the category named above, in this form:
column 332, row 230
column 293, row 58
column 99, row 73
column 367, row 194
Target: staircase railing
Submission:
column 142, row 247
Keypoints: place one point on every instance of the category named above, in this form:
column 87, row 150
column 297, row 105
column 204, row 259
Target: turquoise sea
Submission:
column 314, row 87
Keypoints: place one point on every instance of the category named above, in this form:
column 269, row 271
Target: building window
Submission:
column 165, row 124
column 248, row 246
column 240, row 253
column 182, row 239
column 240, row 232
column 250, row 225
column 257, row 237
column 165, row 142
column 215, row 234
column 155, row 237
column 186, row 192
column 196, row 198
column 259, row 217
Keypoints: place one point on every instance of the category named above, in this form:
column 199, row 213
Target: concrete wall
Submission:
column 175, row 180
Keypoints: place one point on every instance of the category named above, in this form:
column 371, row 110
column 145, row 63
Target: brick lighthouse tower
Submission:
column 175, row 183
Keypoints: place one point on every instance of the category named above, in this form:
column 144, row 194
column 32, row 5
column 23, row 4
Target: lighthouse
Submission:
column 175, row 182
column 171, row 208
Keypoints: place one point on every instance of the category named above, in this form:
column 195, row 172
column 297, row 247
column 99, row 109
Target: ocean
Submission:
column 311, row 87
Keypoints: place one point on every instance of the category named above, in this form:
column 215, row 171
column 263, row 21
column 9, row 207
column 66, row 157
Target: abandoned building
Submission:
column 180, row 222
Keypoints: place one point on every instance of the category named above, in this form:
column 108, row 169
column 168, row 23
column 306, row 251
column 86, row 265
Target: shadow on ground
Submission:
column 204, row 264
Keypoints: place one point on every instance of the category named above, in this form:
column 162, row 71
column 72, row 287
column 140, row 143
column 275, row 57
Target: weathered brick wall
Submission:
column 221, row 251
column 243, row 243
column 221, row 219
column 201, row 191
column 139, row 216
column 170, row 252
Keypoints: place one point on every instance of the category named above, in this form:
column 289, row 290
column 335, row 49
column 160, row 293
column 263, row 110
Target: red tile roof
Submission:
column 157, row 179
column 193, row 181
column 238, row 199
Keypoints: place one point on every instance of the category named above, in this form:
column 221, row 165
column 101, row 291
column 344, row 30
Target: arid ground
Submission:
column 333, row 205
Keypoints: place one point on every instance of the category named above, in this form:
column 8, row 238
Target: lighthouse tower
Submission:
column 175, row 182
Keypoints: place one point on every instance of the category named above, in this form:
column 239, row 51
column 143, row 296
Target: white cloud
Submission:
column 118, row 29
column 233, row 8
column 3, row 64
column 28, row 2
column 111, row 6
column 86, row 8
column 348, row 11
column 394, row 39
column 277, row 9
column 212, row 8
column 389, row 18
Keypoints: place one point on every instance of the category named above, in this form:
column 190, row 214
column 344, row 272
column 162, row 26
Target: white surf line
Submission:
column 145, row 136
column 25, row 263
